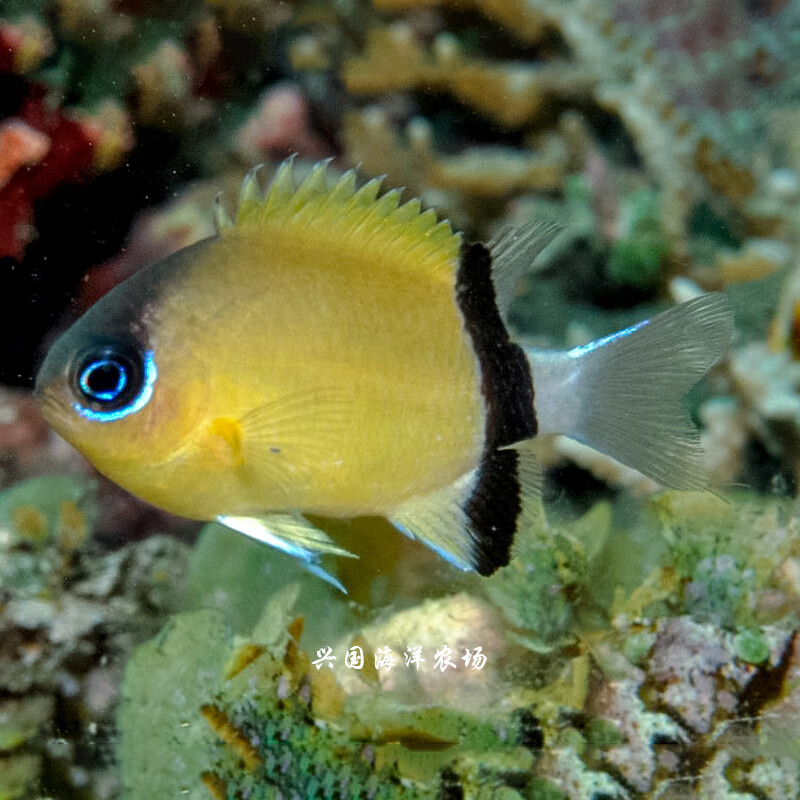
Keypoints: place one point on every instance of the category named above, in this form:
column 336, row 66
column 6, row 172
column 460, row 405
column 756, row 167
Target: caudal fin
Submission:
column 623, row 395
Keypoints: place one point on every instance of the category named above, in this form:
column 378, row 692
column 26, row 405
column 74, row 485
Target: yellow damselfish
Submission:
column 335, row 353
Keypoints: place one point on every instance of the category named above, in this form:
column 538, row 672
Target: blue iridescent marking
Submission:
column 577, row 352
column 258, row 530
column 141, row 400
column 440, row 551
column 110, row 394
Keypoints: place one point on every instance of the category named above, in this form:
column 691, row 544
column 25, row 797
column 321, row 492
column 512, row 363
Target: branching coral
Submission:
column 512, row 94
column 451, row 182
column 692, row 87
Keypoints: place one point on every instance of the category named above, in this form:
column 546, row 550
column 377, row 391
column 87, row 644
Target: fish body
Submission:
column 333, row 352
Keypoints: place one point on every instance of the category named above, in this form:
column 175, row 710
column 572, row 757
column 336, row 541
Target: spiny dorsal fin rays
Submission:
column 249, row 196
column 222, row 219
column 338, row 211
column 514, row 253
column 315, row 185
column 279, row 193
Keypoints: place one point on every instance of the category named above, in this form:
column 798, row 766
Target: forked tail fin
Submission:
column 623, row 395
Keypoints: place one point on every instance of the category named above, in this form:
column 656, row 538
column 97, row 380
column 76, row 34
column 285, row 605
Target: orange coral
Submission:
column 722, row 174
column 231, row 735
column 490, row 171
column 215, row 785
column 20, row 146
column 526, row 22
column 241, row 659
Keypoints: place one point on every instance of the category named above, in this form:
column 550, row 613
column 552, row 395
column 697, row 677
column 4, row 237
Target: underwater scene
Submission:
column 313, row 488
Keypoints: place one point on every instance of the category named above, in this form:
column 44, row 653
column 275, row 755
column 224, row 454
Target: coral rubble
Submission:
column 659, row 680
column 69, row 616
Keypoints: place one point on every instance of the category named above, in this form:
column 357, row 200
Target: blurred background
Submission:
column 646, row 645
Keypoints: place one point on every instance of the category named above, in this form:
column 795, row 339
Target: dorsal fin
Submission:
column 514, row 252
column 339, row 211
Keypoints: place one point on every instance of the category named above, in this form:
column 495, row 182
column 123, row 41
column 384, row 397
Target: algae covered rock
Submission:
column 43, row 521
column 165, row 744
column 70, row 614
column 629, row 651
column 205, row 714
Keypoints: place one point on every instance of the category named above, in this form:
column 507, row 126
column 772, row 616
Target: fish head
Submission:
column 110, row 387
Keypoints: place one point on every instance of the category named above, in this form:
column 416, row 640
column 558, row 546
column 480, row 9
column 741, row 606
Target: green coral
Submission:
column 532, row 591
column 19, row 775
column 750, row 646
column 255, row 721
column 301, row 759
column 636, row 256
column 723, row 553
column 605, row 597
column 42, row 521
column 640, row 245
column 716, row 589
column 546, row 589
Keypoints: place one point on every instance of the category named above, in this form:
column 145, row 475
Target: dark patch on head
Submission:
column 507, row 385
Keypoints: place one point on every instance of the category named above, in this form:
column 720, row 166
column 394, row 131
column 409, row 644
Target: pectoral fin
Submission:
column 293, row 534
column 296, row 430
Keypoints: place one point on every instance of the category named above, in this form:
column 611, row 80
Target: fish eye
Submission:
column 112, row 380
column 104, row 380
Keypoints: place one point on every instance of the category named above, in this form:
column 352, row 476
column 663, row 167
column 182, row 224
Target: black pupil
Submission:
column 109, row 379
column 104, row 379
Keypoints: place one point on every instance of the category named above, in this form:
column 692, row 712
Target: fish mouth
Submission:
column 52, row 410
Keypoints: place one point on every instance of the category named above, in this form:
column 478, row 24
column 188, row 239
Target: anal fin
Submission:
column 293, row 534
column 473, row 522
column 440, row 521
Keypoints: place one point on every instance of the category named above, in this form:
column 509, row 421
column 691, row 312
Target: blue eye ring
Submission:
column 106, row 369
column 113, row 379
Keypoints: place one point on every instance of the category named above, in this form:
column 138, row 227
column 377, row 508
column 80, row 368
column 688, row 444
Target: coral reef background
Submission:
column 642, row 644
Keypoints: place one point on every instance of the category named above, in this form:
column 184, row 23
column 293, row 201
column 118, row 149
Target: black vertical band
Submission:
column 495, row 504
column 507, row 382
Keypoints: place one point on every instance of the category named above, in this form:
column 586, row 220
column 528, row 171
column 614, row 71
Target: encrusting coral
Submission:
column 68, row 618
column 263, row 722
column 676, row 673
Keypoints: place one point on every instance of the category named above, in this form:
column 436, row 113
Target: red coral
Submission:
column 20, row 145
column 9, row 44
column 68, row 160
column 23, row 45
